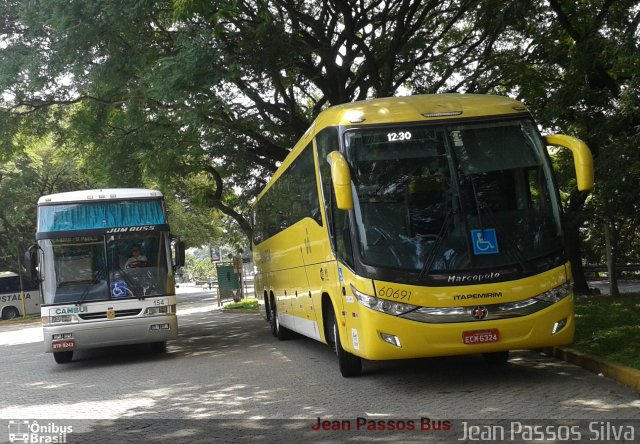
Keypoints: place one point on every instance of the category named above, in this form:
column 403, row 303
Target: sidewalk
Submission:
column 191, row 287
column 625, row 375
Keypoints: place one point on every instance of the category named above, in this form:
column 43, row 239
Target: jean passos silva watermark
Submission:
column 26, row 431
column 594, row 431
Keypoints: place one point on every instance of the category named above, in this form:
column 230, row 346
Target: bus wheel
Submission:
column 63, row 357
column 496, row 359
column 350, row 365
column 159, row 347
column 278, row 330
column 10, row 313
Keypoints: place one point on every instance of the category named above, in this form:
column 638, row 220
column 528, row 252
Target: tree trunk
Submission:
column 610, row 242
column 574, row 254
column 572, row 222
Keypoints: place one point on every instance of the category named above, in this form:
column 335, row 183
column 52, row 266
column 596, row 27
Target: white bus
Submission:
column 97, row 291
column 12, row 293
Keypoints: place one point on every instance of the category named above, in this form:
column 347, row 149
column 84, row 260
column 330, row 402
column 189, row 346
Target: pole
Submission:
column 246, row 284
column 237, row 264
column 22, row 301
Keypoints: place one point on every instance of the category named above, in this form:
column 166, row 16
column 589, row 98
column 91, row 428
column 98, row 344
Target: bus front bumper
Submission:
column 85, row 335
column 378, row 336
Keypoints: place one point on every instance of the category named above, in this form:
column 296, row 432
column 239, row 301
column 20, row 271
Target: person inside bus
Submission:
column 137, row 259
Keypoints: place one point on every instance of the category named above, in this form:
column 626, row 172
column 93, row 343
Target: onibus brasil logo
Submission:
column 24, row 430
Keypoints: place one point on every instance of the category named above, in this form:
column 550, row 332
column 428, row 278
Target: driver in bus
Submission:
column 137, row 259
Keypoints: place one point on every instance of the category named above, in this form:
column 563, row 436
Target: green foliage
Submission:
column 195, row 225
column 245, row 304
column 609, row 327
column 576, row 65
column 40, row 168
column 162, row 92
column 202, row 99
column 199, row 269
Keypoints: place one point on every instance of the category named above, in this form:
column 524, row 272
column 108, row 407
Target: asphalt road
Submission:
column 226, row 379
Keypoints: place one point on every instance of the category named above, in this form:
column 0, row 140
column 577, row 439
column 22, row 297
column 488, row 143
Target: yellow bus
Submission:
column 418, row 226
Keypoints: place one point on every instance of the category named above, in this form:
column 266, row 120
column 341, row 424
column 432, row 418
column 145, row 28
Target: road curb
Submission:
column 625, row 375
column 237, row 310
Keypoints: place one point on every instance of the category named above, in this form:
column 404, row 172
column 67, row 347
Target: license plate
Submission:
column 481, row 336
column 63, row 345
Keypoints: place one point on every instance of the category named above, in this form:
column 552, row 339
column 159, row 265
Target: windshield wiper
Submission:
column 441, row 235
column 481, row 207
column 85, row 293
column 135, row 287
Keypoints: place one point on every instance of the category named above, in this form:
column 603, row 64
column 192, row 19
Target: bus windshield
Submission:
column 105, row 267
column 453, row 197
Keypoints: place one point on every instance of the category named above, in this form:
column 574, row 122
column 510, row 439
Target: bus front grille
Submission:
column 103, row 314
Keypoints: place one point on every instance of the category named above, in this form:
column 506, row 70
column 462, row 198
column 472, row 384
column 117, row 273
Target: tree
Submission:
column 216, row 93
column 576, row 65
column 199, row 269
column 42, row 168
column 207, row 90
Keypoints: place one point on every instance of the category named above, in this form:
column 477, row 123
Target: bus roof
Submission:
column 388, row 110
column 101, row 194
column 418, row 108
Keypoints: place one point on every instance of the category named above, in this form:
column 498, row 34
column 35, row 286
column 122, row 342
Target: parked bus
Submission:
column 418, row 226
column 106, row 270
column 12, row 292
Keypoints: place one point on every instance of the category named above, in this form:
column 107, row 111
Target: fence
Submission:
column 594, row 270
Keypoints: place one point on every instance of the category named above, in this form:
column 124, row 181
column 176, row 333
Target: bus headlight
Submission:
column 62, row 319
column 556, row 294
column 382, row 305
column 161, row 309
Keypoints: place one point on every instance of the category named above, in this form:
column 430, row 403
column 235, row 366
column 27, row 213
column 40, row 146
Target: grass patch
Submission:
column 609, row 327
column 245, row 304
column 30, row 319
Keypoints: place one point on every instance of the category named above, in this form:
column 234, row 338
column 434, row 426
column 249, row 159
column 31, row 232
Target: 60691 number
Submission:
column 394, row 293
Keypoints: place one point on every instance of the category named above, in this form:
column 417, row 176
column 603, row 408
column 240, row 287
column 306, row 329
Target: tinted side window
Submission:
column 292, row 198
column 10, row 284
column 338, row 220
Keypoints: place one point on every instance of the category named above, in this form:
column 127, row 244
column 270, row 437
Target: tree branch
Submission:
column 217, row 202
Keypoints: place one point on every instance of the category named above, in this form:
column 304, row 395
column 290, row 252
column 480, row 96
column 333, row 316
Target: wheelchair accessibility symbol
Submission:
column 484, row 241
column 118, row 289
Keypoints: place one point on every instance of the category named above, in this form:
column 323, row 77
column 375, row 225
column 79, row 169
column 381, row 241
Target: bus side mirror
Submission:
column 180, row 252
column 582, row 159
column 31, row 262
column 341, row 178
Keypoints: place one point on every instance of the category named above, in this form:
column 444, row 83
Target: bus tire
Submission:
column 350, row 365
column 63, row 357
column 496, row 359
column 159, row 347
column 10, row 313
column 280, row 332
